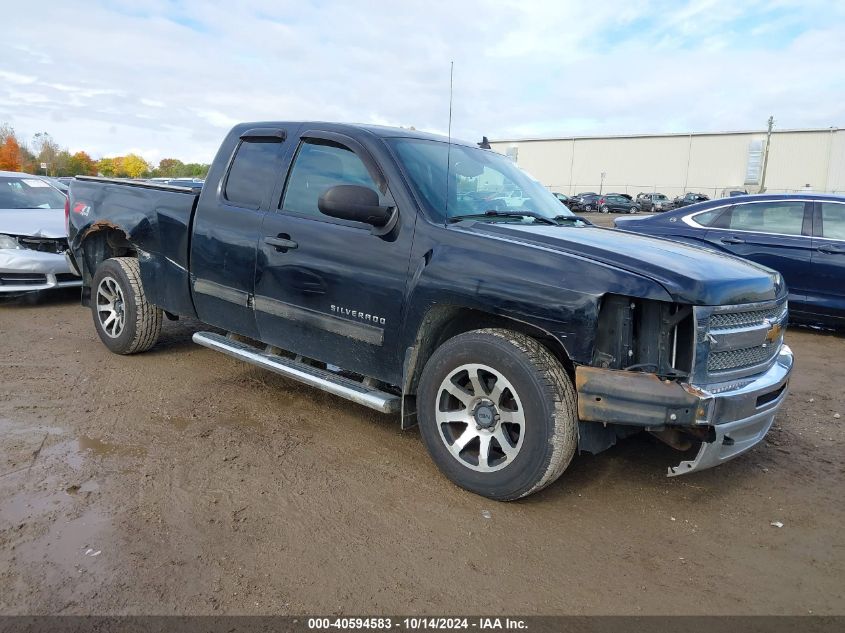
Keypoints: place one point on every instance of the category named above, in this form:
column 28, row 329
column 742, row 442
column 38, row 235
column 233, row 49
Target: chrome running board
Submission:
column 323, row 379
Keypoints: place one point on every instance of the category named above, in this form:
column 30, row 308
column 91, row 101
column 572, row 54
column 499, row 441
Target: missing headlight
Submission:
column 644, row 335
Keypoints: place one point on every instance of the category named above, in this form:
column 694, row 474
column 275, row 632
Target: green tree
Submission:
column 81, row 164
column 170, row 167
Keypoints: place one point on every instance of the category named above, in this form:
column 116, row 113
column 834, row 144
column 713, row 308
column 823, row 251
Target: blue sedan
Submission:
column 800, row 235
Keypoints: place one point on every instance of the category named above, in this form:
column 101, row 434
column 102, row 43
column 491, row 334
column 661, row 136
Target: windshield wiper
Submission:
column 573, row 219
column 492, row 213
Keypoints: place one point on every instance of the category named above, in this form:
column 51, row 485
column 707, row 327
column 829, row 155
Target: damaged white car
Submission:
column 33, row 236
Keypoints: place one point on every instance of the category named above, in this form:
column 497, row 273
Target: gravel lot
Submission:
column 184, row 482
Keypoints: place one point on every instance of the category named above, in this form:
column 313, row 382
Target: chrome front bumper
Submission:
column 740, row 412
column 24, row 270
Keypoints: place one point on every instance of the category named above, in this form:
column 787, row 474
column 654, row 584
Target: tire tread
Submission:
column 148, row 318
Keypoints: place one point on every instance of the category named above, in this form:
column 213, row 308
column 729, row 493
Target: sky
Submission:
column 168, row 78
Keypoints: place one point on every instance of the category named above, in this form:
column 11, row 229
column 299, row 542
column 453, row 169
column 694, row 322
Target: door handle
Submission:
column 830, row 248
column 732, row 240
column 282, row 242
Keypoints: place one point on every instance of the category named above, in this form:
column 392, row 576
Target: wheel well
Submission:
column 445, row 322
column 99, row 244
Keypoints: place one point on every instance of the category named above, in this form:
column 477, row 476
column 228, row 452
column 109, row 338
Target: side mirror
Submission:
column 356, row 203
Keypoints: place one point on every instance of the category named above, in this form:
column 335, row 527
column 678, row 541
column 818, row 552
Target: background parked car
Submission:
column 802, row 236
column 55, row 182
column 564, row 199
column 654, row 202
column 182, row 182
column 689, row 198
column 731, row 192
column 617, row 203
column 584, row 202
column 33, row 237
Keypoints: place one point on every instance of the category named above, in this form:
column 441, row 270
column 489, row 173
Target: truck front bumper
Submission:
column 732, row 416
column 24, row 270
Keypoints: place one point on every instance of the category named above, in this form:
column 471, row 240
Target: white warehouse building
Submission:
column 708, row 163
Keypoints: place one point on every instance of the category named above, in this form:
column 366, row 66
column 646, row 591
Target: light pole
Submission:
column 601, row 184
column 766, row 155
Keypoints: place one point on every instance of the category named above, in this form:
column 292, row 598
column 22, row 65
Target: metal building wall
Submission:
column 676, row 163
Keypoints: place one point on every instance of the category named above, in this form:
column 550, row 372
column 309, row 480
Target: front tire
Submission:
column 125, row 321
column 497, row 413
column 605, row 209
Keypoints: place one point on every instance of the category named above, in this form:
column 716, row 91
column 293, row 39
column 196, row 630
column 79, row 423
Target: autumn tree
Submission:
column 16, row 156
column 105, row 167
column 134, row 166
column 10, row 155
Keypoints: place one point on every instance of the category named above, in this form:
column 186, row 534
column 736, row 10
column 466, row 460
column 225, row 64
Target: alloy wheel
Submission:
column 480, row 418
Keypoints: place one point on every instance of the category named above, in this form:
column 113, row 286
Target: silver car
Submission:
column 33, row 236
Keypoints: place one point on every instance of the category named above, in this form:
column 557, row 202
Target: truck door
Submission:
column 227, row 229
column 827, row 293
column 327, row 288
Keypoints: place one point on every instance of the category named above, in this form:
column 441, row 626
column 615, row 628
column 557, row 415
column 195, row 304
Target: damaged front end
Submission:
column 32, row 263
column 712, row 377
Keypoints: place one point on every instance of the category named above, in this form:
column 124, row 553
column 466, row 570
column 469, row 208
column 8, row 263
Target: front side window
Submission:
column 833, row 220
column 320, row 165
column 478, row 181
column 29, row 193
column 785, row 218
column 253, row 173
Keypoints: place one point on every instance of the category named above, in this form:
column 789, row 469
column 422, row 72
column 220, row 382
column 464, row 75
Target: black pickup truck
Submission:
column 381, row 265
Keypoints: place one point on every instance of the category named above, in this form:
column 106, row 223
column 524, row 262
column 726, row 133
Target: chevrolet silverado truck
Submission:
column 367, row 262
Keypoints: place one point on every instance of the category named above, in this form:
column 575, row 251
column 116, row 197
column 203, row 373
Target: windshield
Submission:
column 479, row 181
column 29, row 193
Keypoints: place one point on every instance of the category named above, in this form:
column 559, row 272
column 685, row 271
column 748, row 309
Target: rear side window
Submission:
column 253, row 173
column 320, row 165
column 833, row 220
column 785, row 218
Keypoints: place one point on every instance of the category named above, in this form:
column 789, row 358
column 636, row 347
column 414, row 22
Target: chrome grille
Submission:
column 727, row 320
column 737, row 341
column 740, row 358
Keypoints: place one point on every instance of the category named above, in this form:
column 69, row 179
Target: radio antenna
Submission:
column 449, row 137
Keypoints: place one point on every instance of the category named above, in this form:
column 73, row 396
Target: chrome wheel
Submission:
column 480, row 418
column 605, row 209
column 111, row 307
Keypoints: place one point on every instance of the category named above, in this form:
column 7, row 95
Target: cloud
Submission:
column 172, row 77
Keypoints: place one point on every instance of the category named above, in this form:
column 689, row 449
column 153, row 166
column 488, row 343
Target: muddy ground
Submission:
column 182, row 481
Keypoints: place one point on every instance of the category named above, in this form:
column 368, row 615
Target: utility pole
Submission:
column 766, row 155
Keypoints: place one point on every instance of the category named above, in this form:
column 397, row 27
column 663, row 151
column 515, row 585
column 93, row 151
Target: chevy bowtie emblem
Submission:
column 774, row 331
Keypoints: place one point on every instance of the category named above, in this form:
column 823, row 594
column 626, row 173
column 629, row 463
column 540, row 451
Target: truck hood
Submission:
column 689, row 274
column 48, row 223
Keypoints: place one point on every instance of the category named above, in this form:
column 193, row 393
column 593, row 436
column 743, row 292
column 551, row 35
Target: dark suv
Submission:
column 654, row 202
column 617, row 203
column 690, row 198
column 584, row 202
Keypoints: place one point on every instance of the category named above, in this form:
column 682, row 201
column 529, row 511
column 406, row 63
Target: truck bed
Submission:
column 155, row 218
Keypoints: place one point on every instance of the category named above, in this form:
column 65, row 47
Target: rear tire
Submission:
column 605, row 209
column 125, row 321
column 497, row 413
